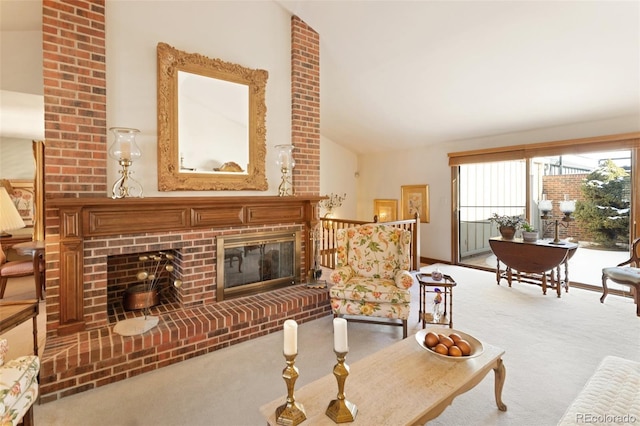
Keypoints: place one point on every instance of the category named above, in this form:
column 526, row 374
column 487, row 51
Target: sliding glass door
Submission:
column 601, row 183
column 487, row 188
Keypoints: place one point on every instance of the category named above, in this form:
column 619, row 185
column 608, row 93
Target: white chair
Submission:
column 625, row 275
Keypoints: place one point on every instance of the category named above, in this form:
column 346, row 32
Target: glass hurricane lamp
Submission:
column 125, row 151
column 286, row 163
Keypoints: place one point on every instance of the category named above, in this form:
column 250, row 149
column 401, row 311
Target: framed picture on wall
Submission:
column 415, row 199
column 386, row 210
column 23, row 196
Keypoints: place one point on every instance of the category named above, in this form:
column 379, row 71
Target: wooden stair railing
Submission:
column 329, row 226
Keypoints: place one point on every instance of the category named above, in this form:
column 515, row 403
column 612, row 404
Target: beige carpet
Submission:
column 552, row 348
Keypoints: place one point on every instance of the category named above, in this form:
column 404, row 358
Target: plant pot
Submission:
column 530, row 236
column 139, row 297
column 507, row 232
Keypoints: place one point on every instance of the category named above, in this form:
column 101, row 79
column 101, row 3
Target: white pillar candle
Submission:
column 340, row 342
column 126, row 150
column 290, row 337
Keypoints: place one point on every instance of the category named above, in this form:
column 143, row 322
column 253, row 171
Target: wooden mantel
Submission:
column 82, row 218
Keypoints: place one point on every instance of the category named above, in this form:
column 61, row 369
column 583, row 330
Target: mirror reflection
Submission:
column 211, row 123
column 212, row 112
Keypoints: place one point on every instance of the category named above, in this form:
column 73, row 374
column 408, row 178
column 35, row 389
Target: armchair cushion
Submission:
column 624, row 274
column 18, row 388
column 17, row 268
column 402, row 279
column 341, row 275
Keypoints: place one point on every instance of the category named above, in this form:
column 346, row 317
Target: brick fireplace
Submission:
column 83, row 352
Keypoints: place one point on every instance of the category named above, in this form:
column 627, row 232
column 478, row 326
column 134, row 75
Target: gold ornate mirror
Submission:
column 211, row 123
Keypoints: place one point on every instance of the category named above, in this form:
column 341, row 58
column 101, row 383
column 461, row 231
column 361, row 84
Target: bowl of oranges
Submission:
column 449, row 343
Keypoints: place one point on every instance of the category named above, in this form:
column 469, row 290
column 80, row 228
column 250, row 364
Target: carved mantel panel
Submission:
column 82, row 218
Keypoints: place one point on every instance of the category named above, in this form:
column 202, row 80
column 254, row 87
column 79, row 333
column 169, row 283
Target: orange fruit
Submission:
column 455, row 351
column 441, row 349
column 455, row 337
column 431, row 339
column 464, row 346
column 445, row 340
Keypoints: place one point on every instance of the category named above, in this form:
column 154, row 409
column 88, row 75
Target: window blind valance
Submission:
column 543, row 149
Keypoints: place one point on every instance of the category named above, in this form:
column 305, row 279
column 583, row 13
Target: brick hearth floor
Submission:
column 93, row 358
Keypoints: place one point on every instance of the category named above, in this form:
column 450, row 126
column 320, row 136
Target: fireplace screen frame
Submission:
column 224, row 243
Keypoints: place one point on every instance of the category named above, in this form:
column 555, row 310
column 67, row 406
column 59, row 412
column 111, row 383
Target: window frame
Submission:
column 622, row 141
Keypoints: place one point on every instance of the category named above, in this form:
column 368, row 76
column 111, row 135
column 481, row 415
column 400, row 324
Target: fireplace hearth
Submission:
column 82, row 351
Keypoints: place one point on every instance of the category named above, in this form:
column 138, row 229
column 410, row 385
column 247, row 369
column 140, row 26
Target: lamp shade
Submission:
column 9, row 216
column 567, row 206
column 545, row 205
column 285, row 156
column 124, row 147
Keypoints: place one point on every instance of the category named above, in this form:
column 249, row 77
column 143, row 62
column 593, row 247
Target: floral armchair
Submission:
column 372, row 276
column 18, row 388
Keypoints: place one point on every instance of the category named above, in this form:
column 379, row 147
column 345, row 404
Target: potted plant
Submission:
column 529, row 234
column 507, row 225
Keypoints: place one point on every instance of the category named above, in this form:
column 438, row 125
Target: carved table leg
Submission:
column 566, row 277
column 544, row 283
column 500, row 374
column 605, row 289
column 498, row 274
column 559, row 282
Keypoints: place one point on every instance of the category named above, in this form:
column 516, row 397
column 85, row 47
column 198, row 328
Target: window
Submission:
column 511, row 180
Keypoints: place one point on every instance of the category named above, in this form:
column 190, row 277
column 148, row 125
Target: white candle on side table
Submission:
column 340, row 341
column 290, row 337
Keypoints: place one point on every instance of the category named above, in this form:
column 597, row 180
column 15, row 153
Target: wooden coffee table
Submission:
column 402, row 384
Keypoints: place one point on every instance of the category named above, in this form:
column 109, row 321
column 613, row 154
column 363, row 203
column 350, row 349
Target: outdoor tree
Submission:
column 604, row 212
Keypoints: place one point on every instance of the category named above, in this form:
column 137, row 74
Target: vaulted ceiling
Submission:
column 402, row 74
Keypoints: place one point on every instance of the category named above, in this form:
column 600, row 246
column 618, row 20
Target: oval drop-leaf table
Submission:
column 537, row 258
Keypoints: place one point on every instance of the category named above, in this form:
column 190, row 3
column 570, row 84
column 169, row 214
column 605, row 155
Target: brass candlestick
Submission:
column 564, row 222
column 286, row 187
column 340, row 410
column 290, row 413
column 126, row 186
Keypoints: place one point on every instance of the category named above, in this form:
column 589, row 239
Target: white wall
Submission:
column 21, row 64
column 21, row 87
column 16, row 159
column 338, row 170
column 254, row 34
column 382, row 174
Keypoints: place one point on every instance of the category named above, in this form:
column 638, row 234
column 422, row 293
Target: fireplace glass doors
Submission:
column 257, row 262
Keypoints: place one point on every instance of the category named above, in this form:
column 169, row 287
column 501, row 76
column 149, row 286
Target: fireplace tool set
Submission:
column 144, row 296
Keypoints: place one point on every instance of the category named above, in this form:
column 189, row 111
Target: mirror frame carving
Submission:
column 172, row 60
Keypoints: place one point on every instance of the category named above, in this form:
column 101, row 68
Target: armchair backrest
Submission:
column 634, row 261
column 374, row 250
